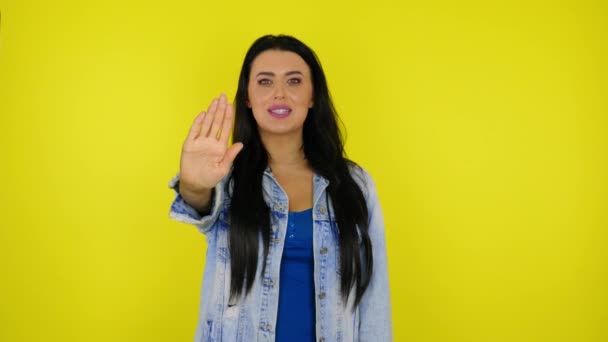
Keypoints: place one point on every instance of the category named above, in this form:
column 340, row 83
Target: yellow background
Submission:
column 484, row 124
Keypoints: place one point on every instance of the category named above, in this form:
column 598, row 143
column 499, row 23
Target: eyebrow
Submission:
column 269, row 73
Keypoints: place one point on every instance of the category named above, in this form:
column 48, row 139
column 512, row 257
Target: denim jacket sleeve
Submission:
column 183, row 212
column 375, row 308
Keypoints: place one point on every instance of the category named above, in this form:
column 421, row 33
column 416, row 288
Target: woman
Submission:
column 296, row 247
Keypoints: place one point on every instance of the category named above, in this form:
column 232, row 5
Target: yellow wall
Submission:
column 484, row 124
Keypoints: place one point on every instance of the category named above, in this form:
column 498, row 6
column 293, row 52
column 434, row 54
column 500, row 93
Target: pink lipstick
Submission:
column 279, row 111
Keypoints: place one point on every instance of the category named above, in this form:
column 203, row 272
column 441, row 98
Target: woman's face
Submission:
column 280, row 92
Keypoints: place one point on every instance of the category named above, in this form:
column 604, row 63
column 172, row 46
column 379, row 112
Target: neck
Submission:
column 285, row 151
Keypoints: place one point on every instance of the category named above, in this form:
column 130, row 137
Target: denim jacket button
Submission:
column 267, row 327
column 322, row 210
column 322, row 295
column 322, row 339
column 323, row 250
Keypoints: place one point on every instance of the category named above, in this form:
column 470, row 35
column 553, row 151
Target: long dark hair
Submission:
column 323, row 148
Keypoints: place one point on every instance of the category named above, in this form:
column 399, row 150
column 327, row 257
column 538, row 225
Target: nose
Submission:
column 279, row 93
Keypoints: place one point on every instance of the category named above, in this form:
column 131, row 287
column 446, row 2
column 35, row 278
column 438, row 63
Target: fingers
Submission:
column 213, row 122
column 227, row 123
column 208, row 120
column 219, row 117
column 195, row 129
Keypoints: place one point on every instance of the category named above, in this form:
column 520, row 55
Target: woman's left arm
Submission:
column 375, row 323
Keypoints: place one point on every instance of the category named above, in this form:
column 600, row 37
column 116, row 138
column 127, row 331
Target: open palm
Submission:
column 206, row 157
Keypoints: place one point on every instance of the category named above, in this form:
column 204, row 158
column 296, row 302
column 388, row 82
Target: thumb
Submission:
column 231, row 154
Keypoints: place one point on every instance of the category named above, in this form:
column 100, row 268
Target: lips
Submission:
column 279, row 111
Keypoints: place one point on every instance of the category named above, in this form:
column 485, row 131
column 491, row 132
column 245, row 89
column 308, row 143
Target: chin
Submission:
column 284, row 126
column 278, row 131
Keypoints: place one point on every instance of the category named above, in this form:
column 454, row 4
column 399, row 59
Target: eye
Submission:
column 264, row 81
column 294, row 81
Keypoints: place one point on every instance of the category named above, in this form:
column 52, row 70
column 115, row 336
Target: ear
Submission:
column 248, row 103
column 312, row 103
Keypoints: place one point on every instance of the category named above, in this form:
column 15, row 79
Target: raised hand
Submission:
column 206, row 157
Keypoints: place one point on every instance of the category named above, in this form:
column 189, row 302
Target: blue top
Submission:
column 296, row 312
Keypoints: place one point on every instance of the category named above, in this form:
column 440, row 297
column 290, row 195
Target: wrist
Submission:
column 199, row 199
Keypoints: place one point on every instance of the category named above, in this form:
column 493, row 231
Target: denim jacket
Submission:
column 253, row 317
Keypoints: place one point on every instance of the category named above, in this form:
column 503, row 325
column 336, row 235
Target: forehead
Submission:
column 279, row 62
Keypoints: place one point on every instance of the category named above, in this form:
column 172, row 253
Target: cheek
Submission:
column 258, row 96
column 302, row 95
column 306, row 97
